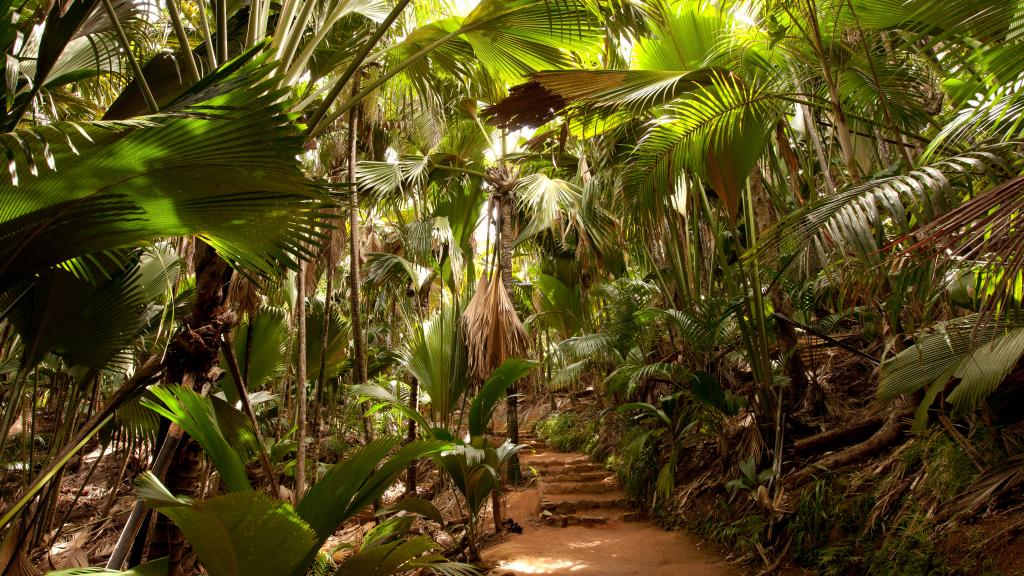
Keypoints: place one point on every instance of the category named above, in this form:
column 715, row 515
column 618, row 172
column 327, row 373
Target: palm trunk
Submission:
column 325, row 335
column 410, row 478
column 765, row 218
column 300, row 383
column 512, row 399
column 355, row 278
column 193, row 359
column 842, row 128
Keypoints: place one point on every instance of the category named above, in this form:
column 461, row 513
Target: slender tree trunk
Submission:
column 819, row 151
column 496, row 508
column 839, row 117
column 300, row 383
column 410, row 476
column 355, row 258
column 505, row 264
column 765, row 218
column 324, row 337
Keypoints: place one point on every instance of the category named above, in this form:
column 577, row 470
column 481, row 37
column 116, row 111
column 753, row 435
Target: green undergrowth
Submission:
column 885, row 517
column 569, row 432
column 635, row 464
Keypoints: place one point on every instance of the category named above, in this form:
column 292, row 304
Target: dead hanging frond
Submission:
column 243, row 295
column 328, row 253
column 492, row 328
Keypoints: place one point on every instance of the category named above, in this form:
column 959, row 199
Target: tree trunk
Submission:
column 300, row 382
column 355, row 259
column 842, row 129
column 324, row 338
column 193, row 359
column 496, row 508
column 819, row 150
column 505, row 264
column 410, row 477
column 764, row 215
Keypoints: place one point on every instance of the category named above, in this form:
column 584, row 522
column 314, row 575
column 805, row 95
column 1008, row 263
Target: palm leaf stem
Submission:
column 461, row 170
column 147, row 94
column 184, row 47
column 243, row 397
column 295, row 31
column 317, row 121
column 222, row 29
column 318, row 127
column 204, row 26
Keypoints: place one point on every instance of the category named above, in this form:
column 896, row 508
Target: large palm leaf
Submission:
column 979, row 356
column 223, row 168
column 436, row 356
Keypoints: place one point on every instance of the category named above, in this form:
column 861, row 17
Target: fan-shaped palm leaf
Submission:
column 226, row 172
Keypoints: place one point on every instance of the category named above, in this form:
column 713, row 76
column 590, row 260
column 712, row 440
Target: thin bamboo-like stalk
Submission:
column 355, row 263
column 319, row 120
column 204, row 26
column 126, row 46
column 222, row 29
column 291, row 42
column 183, row 42
column 324, row 338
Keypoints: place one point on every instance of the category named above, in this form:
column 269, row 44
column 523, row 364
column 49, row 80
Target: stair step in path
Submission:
column 575, row 491
column 575, row 520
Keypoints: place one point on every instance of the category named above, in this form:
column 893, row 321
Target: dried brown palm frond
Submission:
column 20, row 565
column 986, row 228
column 243, row 294
column 492, row 328
column 328, row 253
column 71, row 556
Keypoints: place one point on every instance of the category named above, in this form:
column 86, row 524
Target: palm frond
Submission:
column 197, row 416
column 493, row 390
column 266, row 333
column 979, row 355
column 227, row 172
column 436, row 356
column 861, row 219
column 717, row 132
column 492, row 328
column 353, row 484
column 232, row 533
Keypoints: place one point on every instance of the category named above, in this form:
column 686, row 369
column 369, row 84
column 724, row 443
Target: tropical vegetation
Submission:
column 272, row 269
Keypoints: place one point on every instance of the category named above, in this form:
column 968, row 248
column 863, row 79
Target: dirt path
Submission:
column 576, row 522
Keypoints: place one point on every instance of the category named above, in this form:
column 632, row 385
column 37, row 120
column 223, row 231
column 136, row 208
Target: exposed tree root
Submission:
column 841, row 436
column 889, row 433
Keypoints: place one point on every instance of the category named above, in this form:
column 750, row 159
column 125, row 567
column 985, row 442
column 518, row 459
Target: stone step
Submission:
column 595, row 476
column 561, row 458
column 604, row 487
column 566, row 520
column 555, row 469
column 589, row 520
column 547, row 464
column 574, row 503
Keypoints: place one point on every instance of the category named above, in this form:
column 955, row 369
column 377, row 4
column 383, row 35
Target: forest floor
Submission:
column 575, row 520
